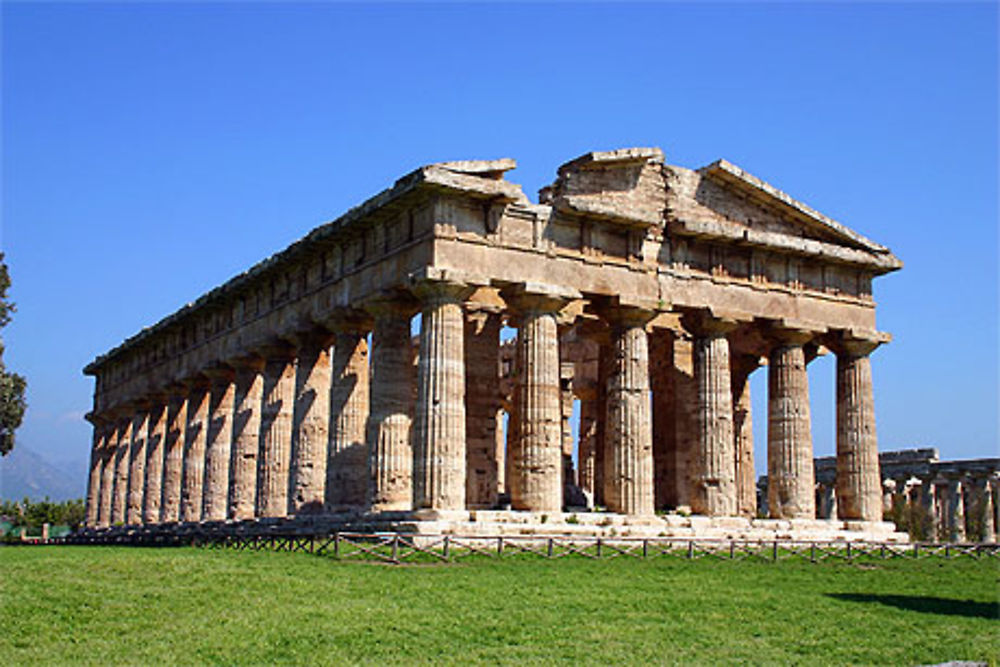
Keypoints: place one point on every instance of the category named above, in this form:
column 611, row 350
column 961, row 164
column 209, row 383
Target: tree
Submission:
column 12, row 385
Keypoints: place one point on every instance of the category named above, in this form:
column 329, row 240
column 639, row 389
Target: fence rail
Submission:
column 399, row 548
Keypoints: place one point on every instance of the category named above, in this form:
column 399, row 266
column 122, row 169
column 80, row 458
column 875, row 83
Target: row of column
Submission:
column 290, row 430
column 954, row 508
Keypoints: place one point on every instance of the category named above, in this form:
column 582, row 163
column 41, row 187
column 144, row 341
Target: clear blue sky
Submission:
column 150, row 152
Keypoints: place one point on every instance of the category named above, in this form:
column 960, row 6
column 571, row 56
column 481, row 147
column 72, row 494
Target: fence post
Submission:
column 500, row 545
column 732, row 550
column 812, row 552
column 598, row 547
column 774, row 551
column 848, row 550
column 645, row 547
column 446, row 547
column 395, row 547
column 690, row 549
column 550, row 548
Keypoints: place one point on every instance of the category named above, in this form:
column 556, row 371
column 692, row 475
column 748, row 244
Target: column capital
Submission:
column 276, row 349
column 250, row 361
column 391, row 304
column 219, row 374
column 530, row 297
column 710, row 323
column 195, row 382
column 313, row 337
column 348, row 320
column 856, row 343
column 432, row 291
column 792, row 333
column 625, row 311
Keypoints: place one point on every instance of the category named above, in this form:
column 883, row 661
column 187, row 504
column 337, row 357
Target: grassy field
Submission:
column 140, row 606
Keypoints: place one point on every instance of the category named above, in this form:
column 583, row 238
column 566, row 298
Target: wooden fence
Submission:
column 399, row 548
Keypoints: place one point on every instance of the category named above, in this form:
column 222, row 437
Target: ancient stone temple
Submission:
column 642, row 293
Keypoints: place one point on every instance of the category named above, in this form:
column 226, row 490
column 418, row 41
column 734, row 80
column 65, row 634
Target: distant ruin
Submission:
column 647, row 292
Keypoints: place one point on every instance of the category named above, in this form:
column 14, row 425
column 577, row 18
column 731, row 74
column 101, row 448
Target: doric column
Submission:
column 536, row 455
column 107, row 474
column 218, row 446
column 347, row 455
column 713, row 459
column 989, row 520
column 928, row 500
column 390, row 417
column 746, row 475
column 790, row 492
column 173, row 453
column 889, row 488
column 828, row 504
column 439, row 420
column 858, row 476
column 482, row 403
column 587, row 447
column 96, row 472
column 248, row 391
column 195, row 439
column 155, row 447
column 628, row 466
column 956, row 511
column 137, row 464
column 119, row 501
column 276, row 430
column 310, row 422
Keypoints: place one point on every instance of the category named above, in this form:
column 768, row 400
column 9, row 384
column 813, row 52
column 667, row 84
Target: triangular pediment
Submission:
column 721, row 200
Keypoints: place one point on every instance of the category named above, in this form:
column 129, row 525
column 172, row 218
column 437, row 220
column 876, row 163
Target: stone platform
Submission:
column 583, row 524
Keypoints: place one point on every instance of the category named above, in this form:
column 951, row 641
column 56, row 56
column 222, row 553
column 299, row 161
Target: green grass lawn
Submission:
column 140, row 606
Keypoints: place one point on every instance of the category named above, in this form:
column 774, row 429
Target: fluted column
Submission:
column 628, row 466
column 989, row 520
column 107, row 477
column 929, row 501
column 137, row 464
column 956, row 511
column 482, row 403
column 347, row 456
column 248, row 394
column 96, row 473
column 746, row 475
column 587, row 448
column 195, row 440
column 858, row 475
column 311, row 423
column 536, row 455
column 439, row 420
column 790, row 491
column 713, row 457
column 218, row 445
column 391, row 400
column 276, row 430
column 155, row 447
column 173, row 453
column 119, row 501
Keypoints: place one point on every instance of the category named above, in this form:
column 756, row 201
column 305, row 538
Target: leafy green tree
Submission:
column 12, row 385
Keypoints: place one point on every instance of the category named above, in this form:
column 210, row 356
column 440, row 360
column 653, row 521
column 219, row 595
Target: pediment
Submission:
column 725, row 202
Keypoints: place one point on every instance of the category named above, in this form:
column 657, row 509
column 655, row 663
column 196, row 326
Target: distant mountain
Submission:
column 27, row 473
